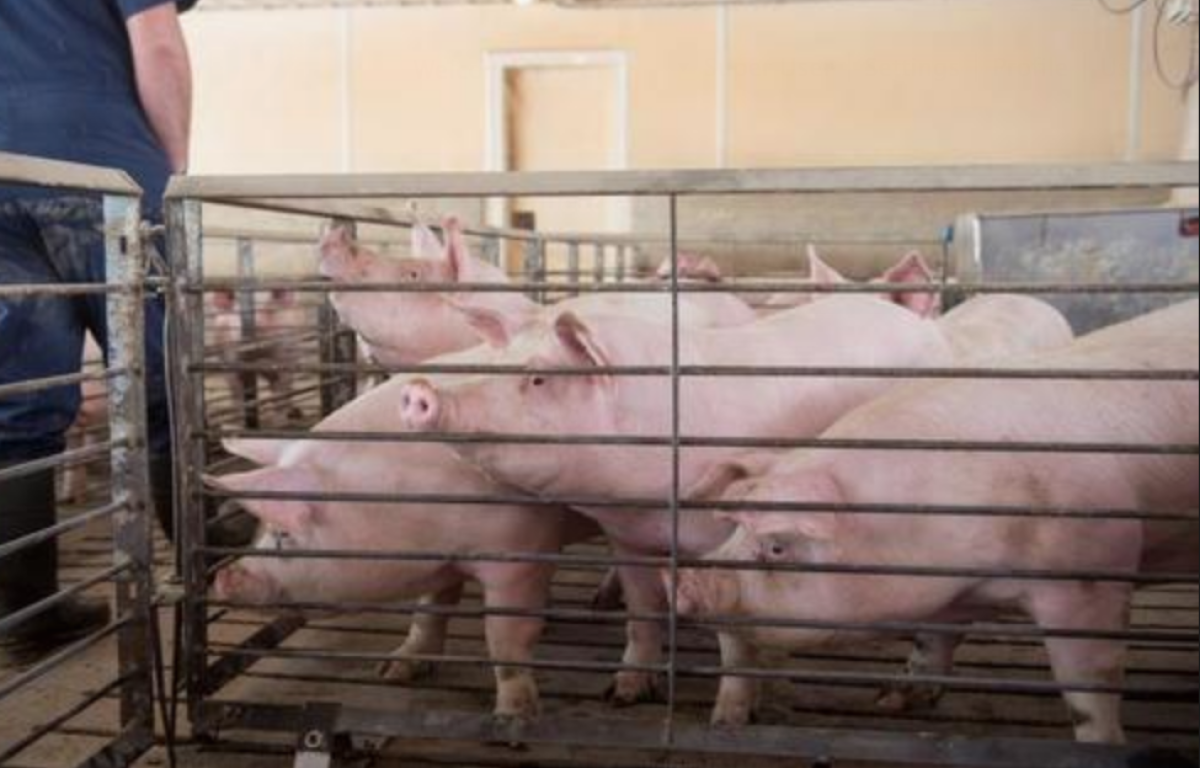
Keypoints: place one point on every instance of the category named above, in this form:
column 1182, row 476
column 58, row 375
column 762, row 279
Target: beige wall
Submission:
column 925, row 81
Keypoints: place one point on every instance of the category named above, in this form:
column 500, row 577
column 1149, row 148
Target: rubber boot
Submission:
column 162, row 493
column 29, row 576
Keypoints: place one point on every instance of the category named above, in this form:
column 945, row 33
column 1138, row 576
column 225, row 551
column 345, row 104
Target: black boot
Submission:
column 162, row 493
column 29, row 576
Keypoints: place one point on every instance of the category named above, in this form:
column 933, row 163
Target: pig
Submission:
column 92, row 417
column 279, row 317
column 402, row 329
column 1024, row 411
column 466, row 531
column 693, row 268
column 839, row 331
column 912, row 269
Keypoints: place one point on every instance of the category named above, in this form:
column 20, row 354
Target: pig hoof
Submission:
column 732, row 718
column 633, row 689
column 910, row 698
column 406, row 671
column 519, row 703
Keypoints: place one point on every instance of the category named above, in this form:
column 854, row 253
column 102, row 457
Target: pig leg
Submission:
column 514, row 639
column 1098, row 608
column 932, row 656
column 739, row 697
column 645, row 595
column 426, row 637
column 610, row 596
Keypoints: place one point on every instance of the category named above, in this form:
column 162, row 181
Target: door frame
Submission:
column 498, row 65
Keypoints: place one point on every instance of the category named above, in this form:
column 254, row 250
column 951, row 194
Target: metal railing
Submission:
column 212, row 669
column 126, row 640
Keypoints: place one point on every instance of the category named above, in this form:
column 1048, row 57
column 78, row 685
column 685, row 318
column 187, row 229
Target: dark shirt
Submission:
column 68, row 90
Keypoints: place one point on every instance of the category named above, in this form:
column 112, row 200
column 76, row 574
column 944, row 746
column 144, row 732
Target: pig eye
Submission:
column 776, row 549
column 538, row 381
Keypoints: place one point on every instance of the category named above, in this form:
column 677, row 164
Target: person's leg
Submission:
column 40, row 337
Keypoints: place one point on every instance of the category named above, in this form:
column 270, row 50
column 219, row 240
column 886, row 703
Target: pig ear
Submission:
column 913, row 270
column 493, row 326
column 718, row 480
column 579, row 340
column 818, row 487
column 292, row 517
column 819, row 271
column 425, row 243
column 262, row 452
column 464, row 267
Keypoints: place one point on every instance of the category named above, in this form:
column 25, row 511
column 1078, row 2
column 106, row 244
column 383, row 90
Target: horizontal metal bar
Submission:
column 665, row 288
column 718, row 371
column 658, row 563
column 660, row 505
column 1182, row 638
column 60, row 289
column 79, row 456
column 996, row 178
column 56, row 382
column 67, row 526
column 806, row 677
column 637, row 441
column 16, row 619
column 48, row 666
column 24, row 170
column 855, row 746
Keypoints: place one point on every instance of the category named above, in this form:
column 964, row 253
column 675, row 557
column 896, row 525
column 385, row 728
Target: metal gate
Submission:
column 61, row 710
column 306, row 674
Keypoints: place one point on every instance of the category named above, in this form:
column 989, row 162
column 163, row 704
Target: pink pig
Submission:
column 93, row 416
column 911, row 270
column 410, row 328
column 462, row 532
column 1024, row 411
column 840, row 331
column 279, row 316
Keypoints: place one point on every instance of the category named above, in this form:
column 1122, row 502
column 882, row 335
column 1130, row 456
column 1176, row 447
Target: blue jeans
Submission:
column 54, row 240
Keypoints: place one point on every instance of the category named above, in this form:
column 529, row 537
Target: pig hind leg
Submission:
column 739, row 697
column 514, row 639
column 426, row 638
column 645, row 595
column 1088, row 662
column 932, row 656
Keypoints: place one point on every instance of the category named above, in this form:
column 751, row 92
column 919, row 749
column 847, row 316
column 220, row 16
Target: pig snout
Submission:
column 421, row 407
column 236, row 584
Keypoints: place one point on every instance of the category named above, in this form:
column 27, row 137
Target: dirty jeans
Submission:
column 59, row 240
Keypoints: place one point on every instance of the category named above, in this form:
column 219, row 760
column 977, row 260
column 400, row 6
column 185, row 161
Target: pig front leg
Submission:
column 932, row 656
column 1095, row 608
column 426, row 637
column 644, row 595
column 514, row 639
column 739, row 697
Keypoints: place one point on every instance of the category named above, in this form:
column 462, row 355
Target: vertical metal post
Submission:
column 247, row 302
column 186, row 245
column 492, row 251
column 125, row 259
column 338, row 346
column 676, row 476
column 573, row 273
column 601, row 266
column 622, row 263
